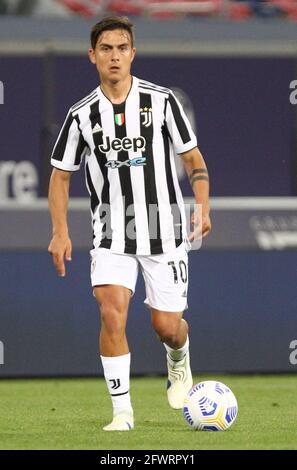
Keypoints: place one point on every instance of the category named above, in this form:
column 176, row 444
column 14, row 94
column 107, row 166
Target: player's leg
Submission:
column 166, row 280
column 172, row 330
column 113, row 290
column 113, row 302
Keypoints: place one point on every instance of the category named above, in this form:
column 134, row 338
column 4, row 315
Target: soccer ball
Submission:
column 210, row 406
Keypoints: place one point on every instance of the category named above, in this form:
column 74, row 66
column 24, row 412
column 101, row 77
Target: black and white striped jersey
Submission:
column 129, row 148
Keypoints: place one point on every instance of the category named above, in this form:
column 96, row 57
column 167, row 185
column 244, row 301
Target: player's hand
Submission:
column 60, row 248
column 201, row 225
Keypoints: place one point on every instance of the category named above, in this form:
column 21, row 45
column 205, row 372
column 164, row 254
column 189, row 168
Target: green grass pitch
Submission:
column 70, row 413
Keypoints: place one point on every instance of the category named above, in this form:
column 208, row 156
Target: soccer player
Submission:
column 128, row 130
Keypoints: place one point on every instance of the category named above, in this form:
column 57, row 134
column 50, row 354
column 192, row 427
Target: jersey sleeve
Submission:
column 179, row 128
column 70, row 145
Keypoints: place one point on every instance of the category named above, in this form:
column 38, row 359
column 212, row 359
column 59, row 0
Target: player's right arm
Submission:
column 66, row 158
column 60, row 246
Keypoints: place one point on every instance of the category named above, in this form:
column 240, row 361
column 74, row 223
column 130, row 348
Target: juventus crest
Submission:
column 146, row 115
column 116, row 383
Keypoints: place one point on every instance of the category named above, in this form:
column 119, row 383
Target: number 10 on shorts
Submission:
column 179, row 272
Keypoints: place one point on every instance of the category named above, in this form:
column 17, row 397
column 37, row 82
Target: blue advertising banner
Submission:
column 239, row 107
column 20, row 128
column 240, row 319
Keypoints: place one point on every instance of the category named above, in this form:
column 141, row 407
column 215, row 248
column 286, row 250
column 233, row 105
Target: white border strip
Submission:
column 194, row 48
column 216, row 203
column 41, row 204
column 253, row 203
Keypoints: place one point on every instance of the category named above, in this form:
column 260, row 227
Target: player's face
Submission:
column 113, row 55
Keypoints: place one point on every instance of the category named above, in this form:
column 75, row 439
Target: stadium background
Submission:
column 233, row 65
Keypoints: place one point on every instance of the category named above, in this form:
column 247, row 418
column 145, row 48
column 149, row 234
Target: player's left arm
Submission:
column 198, row 175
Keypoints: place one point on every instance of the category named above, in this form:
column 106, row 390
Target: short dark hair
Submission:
column 109, row 24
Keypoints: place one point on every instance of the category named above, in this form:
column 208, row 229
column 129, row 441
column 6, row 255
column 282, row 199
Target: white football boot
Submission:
column 121, row 422
column 180, row 381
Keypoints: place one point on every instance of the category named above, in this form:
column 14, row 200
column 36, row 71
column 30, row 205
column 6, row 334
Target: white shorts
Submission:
column 165, row 275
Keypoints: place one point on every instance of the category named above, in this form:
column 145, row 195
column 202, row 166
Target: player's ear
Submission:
column 133, row 54
column 91, row 54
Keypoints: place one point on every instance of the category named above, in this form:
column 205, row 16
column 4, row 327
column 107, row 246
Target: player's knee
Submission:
column 113, row 319
column 167, row 330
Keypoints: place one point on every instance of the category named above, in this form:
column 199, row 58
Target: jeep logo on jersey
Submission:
column 135, row 144
column 138, row 161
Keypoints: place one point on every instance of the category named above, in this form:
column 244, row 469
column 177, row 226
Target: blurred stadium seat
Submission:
column 159, row 9
column 239, row 10
column 155, row 8
column 85, row 7
column 127, row 7
column 171, row 8
column 287, row 7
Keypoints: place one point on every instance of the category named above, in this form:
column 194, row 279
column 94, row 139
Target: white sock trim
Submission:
column 116, row 359
column 117, row 377
column 177, row 354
